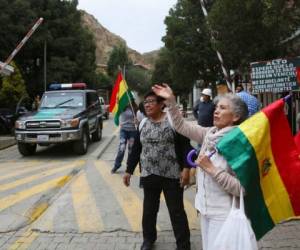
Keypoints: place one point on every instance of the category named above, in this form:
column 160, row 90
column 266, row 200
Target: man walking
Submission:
column 161, row 153
column 128, row 132
column 204, row 109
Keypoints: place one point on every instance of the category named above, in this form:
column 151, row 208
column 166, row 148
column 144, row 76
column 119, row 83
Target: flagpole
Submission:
column 131, row 106
column 219, row 55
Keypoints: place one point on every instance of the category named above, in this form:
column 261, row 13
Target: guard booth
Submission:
column 275, row 79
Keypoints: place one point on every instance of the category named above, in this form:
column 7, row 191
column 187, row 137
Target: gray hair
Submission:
column 238, row 106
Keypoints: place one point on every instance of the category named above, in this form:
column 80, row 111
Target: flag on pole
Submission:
column 120, row 98
column 262, row 153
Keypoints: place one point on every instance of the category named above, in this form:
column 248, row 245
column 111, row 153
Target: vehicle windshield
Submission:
column 62, row 100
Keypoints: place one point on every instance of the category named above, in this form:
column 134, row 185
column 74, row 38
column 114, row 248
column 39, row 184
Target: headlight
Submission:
column 20, row 125
column 72, row 123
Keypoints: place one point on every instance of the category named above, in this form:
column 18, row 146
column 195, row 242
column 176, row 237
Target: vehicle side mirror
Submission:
column 22, row 111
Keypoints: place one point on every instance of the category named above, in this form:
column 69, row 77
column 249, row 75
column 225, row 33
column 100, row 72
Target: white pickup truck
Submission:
column 104, row 107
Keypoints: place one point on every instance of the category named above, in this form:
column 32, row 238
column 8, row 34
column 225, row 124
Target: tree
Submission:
column 138, row 79
column 103, row 81
column 251, row 30
column 191, row 56
column 161, row 72
column 12, row 89
column 244, row 31
column 118, row 59
column 70, row 47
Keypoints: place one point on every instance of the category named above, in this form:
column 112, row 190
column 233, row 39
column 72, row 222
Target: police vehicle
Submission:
column 67, row 113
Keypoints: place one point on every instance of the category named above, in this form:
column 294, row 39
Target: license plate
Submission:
column 43, row 137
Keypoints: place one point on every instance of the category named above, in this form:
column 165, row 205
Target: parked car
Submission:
column 8, row 118
column 105, row 107
column 7, row 121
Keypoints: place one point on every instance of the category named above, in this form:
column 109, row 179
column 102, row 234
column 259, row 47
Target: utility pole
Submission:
column 45, row 65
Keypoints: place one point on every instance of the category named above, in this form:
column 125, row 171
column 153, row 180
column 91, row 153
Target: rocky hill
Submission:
column 106, row 40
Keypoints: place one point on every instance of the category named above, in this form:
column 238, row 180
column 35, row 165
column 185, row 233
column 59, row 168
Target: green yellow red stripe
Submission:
column 120, row 98
column 121, row 95
column 262, row 154
column 245, row 165
column 273, row 189
column 286, row 156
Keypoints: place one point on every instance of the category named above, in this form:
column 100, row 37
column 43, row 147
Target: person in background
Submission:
column 184, row 108
column 128, row 131
column 239, row 88
column 141, row 113
column 251, row 101
column 222, row 87
column 161, row 153
column 204, row 109
column 216, row 182
column 36, row 102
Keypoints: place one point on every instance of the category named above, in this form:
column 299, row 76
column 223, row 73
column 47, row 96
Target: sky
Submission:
column 139, row 22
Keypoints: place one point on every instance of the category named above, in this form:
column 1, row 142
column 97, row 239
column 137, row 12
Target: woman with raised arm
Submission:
column 216, row 181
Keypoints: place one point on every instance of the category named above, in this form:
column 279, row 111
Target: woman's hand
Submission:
column 204, row 162
column 126, row 179
column 164, row 91
column 185, row 177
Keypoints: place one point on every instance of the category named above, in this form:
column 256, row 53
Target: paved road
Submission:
column 92, row 210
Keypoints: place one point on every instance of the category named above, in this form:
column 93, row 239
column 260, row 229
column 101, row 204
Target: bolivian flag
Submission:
column 262, row 153
column 120, row 98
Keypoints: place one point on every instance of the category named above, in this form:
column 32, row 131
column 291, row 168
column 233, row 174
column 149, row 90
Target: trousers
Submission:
column 125, row 137
column 153, row 185
column 210, row 228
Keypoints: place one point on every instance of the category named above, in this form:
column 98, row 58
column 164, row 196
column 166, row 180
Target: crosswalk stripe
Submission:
column 87, row 214
column 137, row 171
column 27, row 238
column 40, row 175
column 12, row 165
column 22, row 171
column 191, row 213
column 22, row 195
column 128, row 200
column 24, row 241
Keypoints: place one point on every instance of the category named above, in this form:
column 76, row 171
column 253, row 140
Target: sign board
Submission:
column 279, row 75
column 7, row 70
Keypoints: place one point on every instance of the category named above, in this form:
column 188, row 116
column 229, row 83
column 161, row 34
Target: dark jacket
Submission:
column 182, row 148
column 204, row 113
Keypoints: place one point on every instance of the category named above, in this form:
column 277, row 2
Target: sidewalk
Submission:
column 6, row 141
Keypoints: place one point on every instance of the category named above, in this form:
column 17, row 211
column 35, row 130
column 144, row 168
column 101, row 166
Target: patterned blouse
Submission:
column 158, row 150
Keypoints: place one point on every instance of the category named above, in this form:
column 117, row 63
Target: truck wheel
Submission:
column 97, row 135
column 26, row 149
column 80, row 147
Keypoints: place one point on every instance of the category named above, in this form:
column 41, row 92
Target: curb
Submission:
column 7, row 142
column 105, row 145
